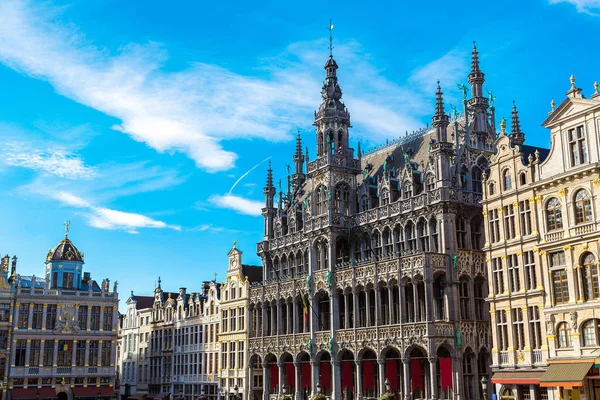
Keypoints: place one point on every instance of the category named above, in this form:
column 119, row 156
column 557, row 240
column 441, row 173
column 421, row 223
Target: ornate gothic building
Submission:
column 373, row 276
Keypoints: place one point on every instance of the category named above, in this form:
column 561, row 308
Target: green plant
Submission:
column 318, row 396
column 284, row 397
column 387, row 396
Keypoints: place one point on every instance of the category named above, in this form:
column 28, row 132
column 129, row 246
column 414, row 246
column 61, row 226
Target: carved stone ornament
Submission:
column 550, row 324
column 573, row 316
column 66, row 320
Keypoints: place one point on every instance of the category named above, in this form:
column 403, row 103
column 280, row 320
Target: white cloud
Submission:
column 106, row 218
column 583, row 6
column 192, row 110
column 52, row 160
column 237, row 203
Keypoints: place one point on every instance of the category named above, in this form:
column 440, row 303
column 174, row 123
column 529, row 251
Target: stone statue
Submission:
column 550, row 324
column 308, row 282
column 331, row 344
column 309, row 345
column 329, row 279
column 463, row 89
column 115, row 286
column 455, row 261
column 458, row 338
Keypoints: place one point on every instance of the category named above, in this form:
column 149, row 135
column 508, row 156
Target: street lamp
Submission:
column 484, row 383
column 387, row 385
column 318, row 387
column 202, row 393
column 236, row 391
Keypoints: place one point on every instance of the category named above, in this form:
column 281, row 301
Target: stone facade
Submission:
column 373, row 276
column 542, row 254
column 63, row 341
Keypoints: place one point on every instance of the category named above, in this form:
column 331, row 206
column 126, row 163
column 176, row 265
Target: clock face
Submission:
column 233, row 263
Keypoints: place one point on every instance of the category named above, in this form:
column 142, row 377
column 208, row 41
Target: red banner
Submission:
column 305, row 375
column 290, row 375
column 446, row 372
column 369, row 375
column 347, row 375
column 274, row 376
column 391, row 373
column 416, row 375
column 325, row 375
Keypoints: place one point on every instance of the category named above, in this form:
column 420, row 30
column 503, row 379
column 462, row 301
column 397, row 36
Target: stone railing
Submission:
column 552, row 236
column 582, row 229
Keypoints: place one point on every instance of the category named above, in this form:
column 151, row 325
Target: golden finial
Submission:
column 596, row 87
column 530, row 158
column 503, row 126
column 537, row 155
column 67, row 224
column 572, row 79
column 234, row 244
column 484, row 176
column 552, row 105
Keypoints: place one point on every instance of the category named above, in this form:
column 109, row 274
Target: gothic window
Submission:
column 535, row 327
column 518, row 329
column 364, row 203
column 590, row 281
column 321, row 194
column 399, row 237
column 323, row 305
column 480, row 295
column 494, row 222
column 284, row 266
column 411, row 241
column 554, row 214
column 577, row 146
column 407, row 192
column 376, row 243
column 388, row 244
column 476, row 180
column 558, row 274
column 433, row 229
column 590, row 333
column 469, row 374
column 342, row 199
column 299, row 220
column 507, row 179
column 342, row 251
column 476, row 234
column 583, row 207
column 423, row 235
column 461, row 233
column 465, row 298
column 439, row 294
column 320, row 144
column 430, row 182
column 492, row 188
column 384, row 197
column 564, row 335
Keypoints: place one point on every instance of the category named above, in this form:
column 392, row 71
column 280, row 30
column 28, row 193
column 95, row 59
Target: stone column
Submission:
column 337, row 380
column 433, row 377
column 368, row 308
column 359, row 389
column 298, row 372
column 391, row 307
column 55, row 355
column 41, row 359
column 406, row 377
column 357, row 321
column 282, row 380
column 381, row 364
column 266, row 381
column 45, row 309
column 89, row 318
column 27, row 350
column 428, row 299
column 74, row 353
column 378, row 305
column 30, row 316
column 416, row 307
column 315, row 375
column 346, row 311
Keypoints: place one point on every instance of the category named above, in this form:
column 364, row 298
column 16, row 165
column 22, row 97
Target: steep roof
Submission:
column 65, row 250
column 252, row 272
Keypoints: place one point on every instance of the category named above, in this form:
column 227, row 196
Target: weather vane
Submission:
column 330, row 38
column 67, row 224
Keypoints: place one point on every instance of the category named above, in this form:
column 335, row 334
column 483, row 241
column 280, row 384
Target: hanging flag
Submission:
column 305, row 307
column 66, row 347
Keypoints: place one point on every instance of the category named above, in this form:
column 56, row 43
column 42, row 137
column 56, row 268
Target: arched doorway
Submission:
column 305, row 375
column 419, row 372
column 62, row 396
column 272, row 378
column 289, row 373
column 256, row 378
column 325, row 373
column 393, row 370
column 445, row 387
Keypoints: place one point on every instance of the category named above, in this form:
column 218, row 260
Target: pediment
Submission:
column 570, row 106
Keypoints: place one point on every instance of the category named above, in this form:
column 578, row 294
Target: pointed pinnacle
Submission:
column 516, row 126
column 439, row 100
column 474, row 59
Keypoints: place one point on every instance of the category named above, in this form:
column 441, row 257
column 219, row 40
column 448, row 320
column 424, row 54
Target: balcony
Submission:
column 537, row 357
column 582, row 229
column 503, row 357
column 553, row 236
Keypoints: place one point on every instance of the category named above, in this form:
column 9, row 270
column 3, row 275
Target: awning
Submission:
column 93, row 391
column 565, row 375
column 160, row 396
column 33, row 393
column 518, row 377
column 137, row 396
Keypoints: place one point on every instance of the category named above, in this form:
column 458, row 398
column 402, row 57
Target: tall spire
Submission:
column 298, row 159
column 517, row 138
column 476, row 77
column 440, row 120
column 330, row 39
column 269, row 177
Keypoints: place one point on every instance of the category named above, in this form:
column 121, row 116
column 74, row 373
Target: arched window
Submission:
column 523, row 178
column 583, row 207
column 507, row 179
column 591, row 282
column 321, row 194
column 430, row 182
column 476, row 179
column 492, row 188
column 407, row 192
column 465, row 298
column 590, row 333
column 364, row 203
column 554, row 214
column 564, row 335
column 342, row 199
column 384, row 197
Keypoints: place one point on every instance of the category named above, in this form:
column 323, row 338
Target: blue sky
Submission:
column 134, row 119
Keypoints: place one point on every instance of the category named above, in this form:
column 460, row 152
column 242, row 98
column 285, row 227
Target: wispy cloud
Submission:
column 591, row 7
column 107, row 218
column 237, row 203
column 193, row 110
column 52, row 160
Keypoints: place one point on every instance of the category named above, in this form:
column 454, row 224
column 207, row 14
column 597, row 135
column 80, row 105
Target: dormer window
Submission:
column 577, row 146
